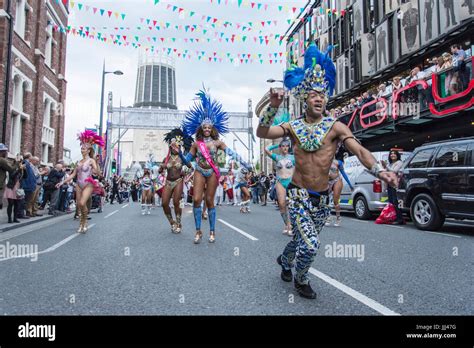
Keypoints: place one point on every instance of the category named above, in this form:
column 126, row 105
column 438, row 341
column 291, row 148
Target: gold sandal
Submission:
column 212, row 237
column 198, row 237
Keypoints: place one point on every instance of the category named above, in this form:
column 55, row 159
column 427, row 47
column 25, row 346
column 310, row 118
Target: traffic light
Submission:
column 114, row 166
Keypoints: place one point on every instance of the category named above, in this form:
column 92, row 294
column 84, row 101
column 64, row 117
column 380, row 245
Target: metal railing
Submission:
column 414, row 100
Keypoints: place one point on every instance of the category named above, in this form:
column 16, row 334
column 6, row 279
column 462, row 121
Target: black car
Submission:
column 437, row 181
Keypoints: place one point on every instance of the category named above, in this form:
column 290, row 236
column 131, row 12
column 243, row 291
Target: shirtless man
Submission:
column 316, row 138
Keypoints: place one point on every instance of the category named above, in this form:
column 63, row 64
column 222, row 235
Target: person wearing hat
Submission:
column 5, row 167
column 175, row 174
column 316, row 140
column 206, row 121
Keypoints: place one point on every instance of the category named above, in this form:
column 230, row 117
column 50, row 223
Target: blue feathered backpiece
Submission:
column 204, row 111
column 318, row 73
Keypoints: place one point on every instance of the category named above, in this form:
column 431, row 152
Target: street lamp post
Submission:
column 117, row 72
column 273, row 81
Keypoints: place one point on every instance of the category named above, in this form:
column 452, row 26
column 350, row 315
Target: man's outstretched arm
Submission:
column 365, row 156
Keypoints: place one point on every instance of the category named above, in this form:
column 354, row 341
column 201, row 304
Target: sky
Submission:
column 230, row 83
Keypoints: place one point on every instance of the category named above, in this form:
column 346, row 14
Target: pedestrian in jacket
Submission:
column 5, row 167
column 13, row 193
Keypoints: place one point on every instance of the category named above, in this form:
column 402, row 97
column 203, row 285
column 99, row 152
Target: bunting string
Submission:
column 216, row 57
column 221, row 37
column 209, row 20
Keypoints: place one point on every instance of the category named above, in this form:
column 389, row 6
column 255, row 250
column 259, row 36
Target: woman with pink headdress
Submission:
column 83, row 172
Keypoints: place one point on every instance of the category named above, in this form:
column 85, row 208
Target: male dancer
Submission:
column 316, row 139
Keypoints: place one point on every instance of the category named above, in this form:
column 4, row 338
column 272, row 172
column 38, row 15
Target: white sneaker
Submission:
column 143, row 211
column 328, row 221
column 337, row 222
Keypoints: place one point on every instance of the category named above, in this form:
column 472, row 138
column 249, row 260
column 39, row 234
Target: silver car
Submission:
column 370, row 194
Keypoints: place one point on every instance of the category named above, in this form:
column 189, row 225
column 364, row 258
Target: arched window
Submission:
column 17, row 109
column 48, row 51
column 21, row 85
column 47, row 113
column 17, row 101
column 49, row 133
column 20, row 17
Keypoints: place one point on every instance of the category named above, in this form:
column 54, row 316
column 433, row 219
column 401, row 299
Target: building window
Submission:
column 17, row 106
column 48, row 105
column 20, row 17
column 45, row 154
column 48, row 51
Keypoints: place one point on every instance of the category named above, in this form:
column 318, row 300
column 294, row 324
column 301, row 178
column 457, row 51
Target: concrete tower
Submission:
column 156, row 82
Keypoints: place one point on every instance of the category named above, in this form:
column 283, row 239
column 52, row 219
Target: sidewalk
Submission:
column 5, row 226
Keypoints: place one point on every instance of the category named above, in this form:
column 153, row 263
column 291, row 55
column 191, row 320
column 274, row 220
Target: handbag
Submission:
column 20, row 193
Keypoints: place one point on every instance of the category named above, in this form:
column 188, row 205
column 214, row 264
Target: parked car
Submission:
column 370, row 194
column 437, row 182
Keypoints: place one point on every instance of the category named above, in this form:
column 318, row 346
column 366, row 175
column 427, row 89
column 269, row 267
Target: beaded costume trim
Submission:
column 311, row 136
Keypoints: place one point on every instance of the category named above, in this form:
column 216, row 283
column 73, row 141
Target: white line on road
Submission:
column 126, row 205
column 394, row 226
column 51, row 248
column 359, row 220
column 109, row 215
column 353, row 293
column 238, row 230
column 444, row 234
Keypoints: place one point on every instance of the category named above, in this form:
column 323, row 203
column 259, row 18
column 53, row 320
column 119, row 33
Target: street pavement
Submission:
column 128, row 264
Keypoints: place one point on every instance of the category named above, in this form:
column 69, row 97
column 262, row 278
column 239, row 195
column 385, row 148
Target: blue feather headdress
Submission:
column 205, row 111
column 318, row 74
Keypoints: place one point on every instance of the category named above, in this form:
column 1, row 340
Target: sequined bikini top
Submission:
column 311, row 136
column 285, row 161
column 173, row 162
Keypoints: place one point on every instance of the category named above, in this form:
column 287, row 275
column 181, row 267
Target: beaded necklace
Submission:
column 311, row 135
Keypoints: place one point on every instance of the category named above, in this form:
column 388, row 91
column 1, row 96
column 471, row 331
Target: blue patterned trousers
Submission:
column 308, row 215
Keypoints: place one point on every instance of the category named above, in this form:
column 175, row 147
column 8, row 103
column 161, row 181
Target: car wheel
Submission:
column 361, row 208
column 425, row 214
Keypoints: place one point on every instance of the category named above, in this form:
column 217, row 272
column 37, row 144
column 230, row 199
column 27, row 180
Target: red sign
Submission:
column 382, row 113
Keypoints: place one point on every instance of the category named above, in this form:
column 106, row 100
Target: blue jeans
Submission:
column 392, row 198
column 255, row 195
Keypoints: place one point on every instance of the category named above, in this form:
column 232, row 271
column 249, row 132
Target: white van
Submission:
column 370, row 194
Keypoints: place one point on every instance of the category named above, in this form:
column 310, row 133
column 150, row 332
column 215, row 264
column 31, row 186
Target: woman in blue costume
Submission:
column 285, row 166
column 206, row 120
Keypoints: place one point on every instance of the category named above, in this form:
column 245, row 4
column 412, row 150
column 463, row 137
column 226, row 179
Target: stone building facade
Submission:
column 37, row 85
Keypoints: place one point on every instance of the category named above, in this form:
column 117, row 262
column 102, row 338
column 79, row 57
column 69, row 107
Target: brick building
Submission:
column 37, row 86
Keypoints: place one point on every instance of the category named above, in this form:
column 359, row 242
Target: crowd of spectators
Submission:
column 454, row 76
column 31, row 189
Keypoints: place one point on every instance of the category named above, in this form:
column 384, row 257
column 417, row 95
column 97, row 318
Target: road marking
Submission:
column 51, row 248
column 109, row 215
column 126, row 205
column 31, row 228
column 359, row 220
column 394, row 226
column 444, row 234
column 353, row 293
column 238, row 230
